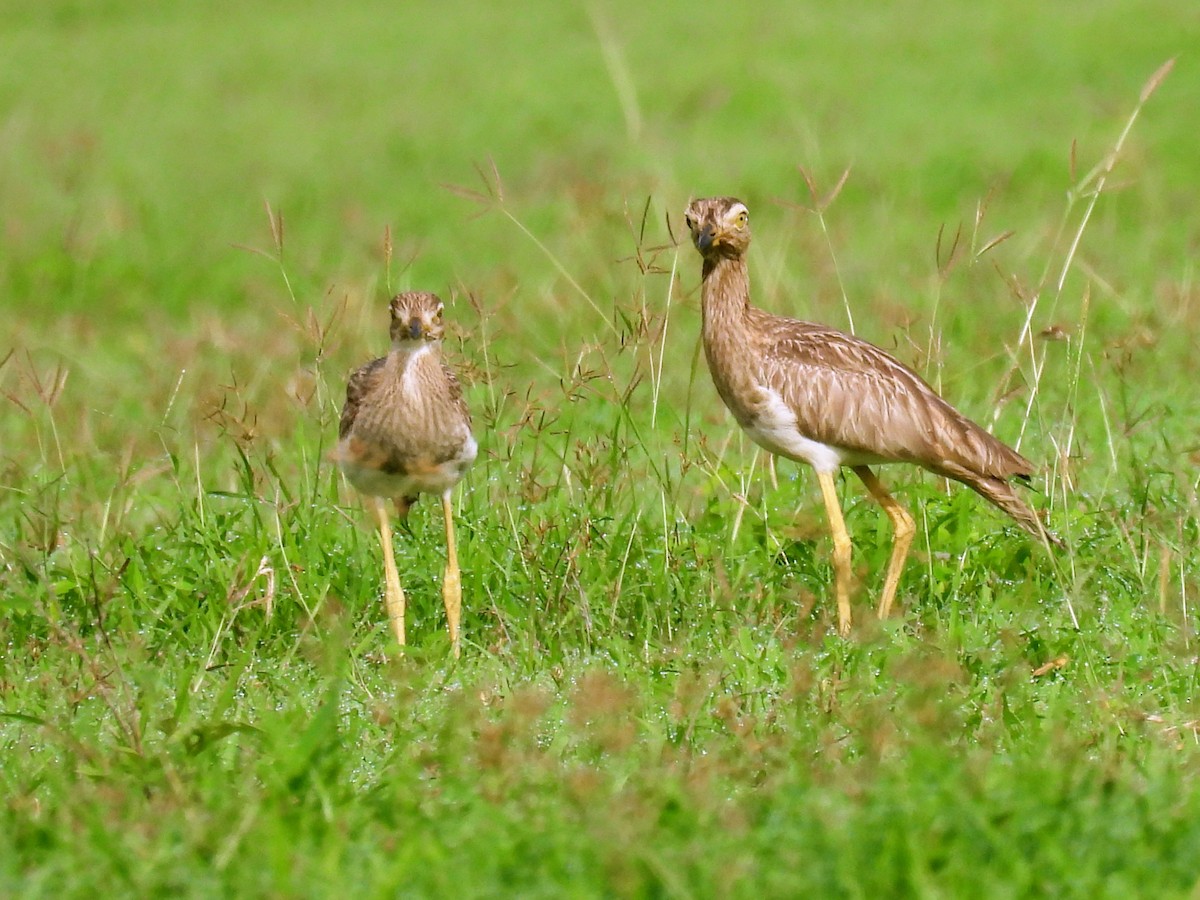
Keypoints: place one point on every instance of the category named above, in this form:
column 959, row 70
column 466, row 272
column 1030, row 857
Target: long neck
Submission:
column 724, row 300
column 724, row 303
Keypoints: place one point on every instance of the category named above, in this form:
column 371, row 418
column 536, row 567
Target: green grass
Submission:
column 198, row 691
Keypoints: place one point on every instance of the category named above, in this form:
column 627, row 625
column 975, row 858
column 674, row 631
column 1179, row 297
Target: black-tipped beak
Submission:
column 415, row 328
column 705, row 237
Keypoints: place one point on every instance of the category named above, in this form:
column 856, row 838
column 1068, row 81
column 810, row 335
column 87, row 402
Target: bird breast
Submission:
column 412, row 433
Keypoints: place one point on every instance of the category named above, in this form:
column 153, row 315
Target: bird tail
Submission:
column 1002, row 494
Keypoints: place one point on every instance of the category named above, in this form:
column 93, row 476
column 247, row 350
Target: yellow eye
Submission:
column 742, row 219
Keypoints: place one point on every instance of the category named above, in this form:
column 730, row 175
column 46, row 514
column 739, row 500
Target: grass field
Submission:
column 204, row 209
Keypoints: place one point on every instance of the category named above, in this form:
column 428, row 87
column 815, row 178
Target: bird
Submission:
column 817, row 395
column 405, row 430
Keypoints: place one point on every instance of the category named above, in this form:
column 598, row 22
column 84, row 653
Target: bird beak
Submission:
column 415, row 327
column 705, row 238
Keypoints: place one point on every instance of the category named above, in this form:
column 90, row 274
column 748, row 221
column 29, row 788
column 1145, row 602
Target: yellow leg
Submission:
column 451, row 581
column 841, row 549
column 903, row 530
column 393, row 597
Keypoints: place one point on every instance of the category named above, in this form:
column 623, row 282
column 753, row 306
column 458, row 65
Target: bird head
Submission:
column 416, row 318
column 720, row 226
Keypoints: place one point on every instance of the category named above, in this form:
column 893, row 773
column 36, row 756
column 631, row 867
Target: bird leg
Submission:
column 393, row 597
column 451, row 581
column 841, row 549
column 902, row 535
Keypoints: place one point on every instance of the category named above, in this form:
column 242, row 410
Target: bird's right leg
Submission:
column 903, row 530
column 841, row 549
column 393, row 597
column 452, row 579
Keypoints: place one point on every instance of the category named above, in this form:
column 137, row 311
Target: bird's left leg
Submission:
column 841, row 549
column 903, row 530
column 393, row 597
column 451, row 581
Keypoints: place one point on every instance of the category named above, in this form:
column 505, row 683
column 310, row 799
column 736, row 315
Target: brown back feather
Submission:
column 852, row 394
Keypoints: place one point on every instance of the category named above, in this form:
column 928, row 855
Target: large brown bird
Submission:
column 405, row 430
column 817, row 395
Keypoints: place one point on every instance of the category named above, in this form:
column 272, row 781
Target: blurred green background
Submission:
column 139, row 142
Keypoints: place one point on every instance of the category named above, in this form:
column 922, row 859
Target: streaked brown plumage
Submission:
column 405, row 430
column 817, row 395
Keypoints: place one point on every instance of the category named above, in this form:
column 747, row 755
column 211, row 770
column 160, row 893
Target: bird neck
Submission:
column 406, row 353
column 725, row 297
column 727, row 338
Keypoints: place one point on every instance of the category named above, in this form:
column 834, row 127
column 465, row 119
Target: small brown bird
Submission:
column 405, row 430
column 817, row 395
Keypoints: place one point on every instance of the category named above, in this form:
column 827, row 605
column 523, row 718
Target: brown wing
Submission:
column 851, row 394
column 456, row 393
column 362, row 382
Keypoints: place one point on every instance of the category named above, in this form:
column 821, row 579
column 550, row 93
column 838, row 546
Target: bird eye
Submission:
column 742, row 219
column 440, row 309
column 689, row 222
